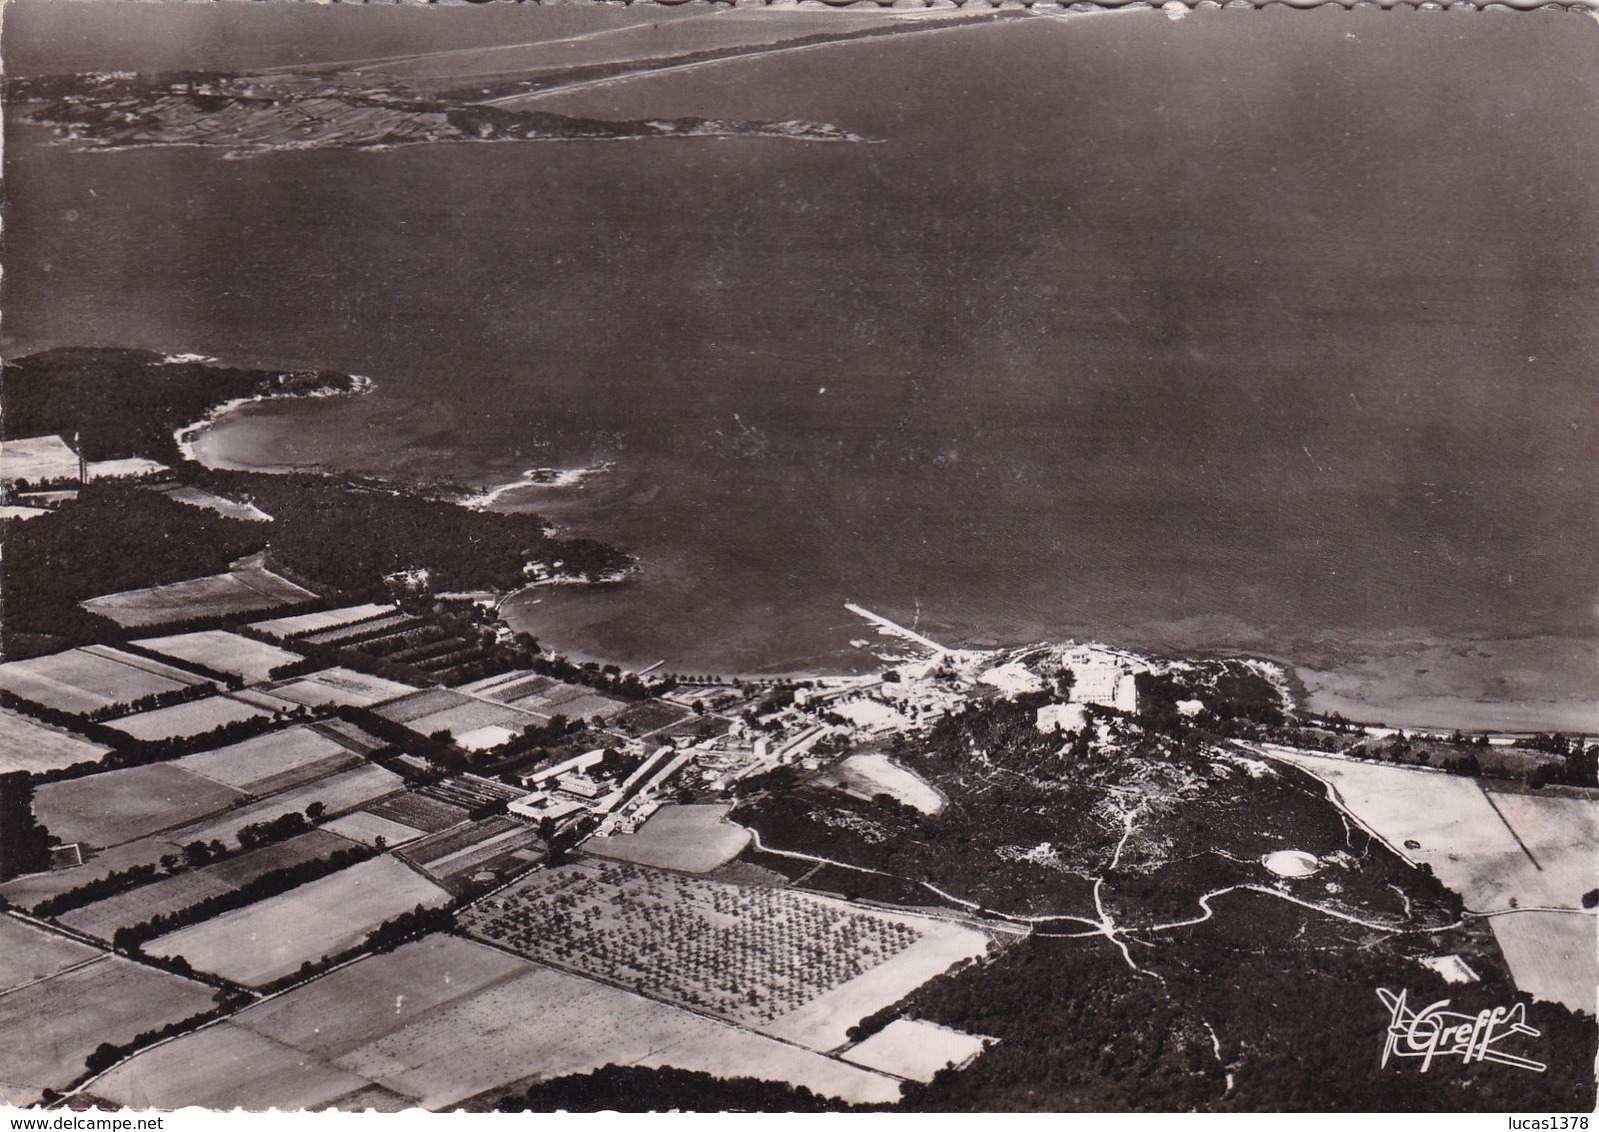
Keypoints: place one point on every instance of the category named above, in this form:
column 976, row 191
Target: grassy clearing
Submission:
column 266, row 941
column 691, row 839
column 221, row 651
column 866, row 776
column 34, row 747
column 49, row 1027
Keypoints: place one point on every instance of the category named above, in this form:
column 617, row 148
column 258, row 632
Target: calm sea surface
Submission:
column 1264, row 332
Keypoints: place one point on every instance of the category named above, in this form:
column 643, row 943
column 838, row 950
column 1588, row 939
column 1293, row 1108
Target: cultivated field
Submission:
column 443, row 1019
column 486, row 1041
column 441, row 709
column 275, row 761
column 1552, row 955
column 243, row 590
column 224, row 1067
column 382, row 993
column 121, row 805
column 367, row 828
column 1455, row 828
column 338, row 792
column 221, row 651
column 418, row 811
column 28, row 891
column 499, row 845
column 183, row 720
column 691, row 839
column 915, row 1050
column 34, row 747
column 866, row 776
column 28, row 953
column 188, row 888
column 299, row 625
column 48, row 1028
column 751, row 955
column 266, row 941
column 1562, row 835
column 340, row 686
column 823, row 1022
column 90, row 678
column 37, row 459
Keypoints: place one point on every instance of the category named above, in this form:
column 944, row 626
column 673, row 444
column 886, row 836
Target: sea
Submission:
column 1264, row 333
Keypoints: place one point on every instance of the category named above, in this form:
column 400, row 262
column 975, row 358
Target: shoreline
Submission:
column 186, row 436
column 1297, row 680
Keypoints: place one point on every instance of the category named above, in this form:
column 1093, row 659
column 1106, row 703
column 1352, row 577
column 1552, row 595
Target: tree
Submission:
column 315, row 811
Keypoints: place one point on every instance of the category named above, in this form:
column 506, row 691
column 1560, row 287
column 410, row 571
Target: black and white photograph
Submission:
column 937, row 556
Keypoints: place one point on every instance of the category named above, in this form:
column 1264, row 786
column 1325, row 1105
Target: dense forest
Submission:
column 130, row 402
column 632, row 1088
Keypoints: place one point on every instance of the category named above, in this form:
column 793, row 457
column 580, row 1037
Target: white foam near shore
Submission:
column 536, row 477
column 186, row 436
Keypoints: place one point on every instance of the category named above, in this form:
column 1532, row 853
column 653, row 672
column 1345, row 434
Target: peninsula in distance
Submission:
column 501, row 626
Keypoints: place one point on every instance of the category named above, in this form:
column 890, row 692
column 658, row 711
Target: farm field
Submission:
column 302, row 623
column 444, row 710
column 187, row 888
column 868, row 775
column 184, row 720
column 443, row 1019
column 650, row 715
column 1552, row 955
column 751, row 955
column 37, row 459
column 223, row 1067
column 484, row 1042
column 367, row 828
column 28, row 891
column 1459, row 833
column 28, row 953
column 500, row 845
column 914, row 1049
column 34, row 747
column 242, row 590
column 380, row 994
column 823, row 1022
column 87, row 679
column 418, row 811
column 49, row 1027
column 342, row 686
column 1562, row 834
column 266, row 941
column 691, row 839
column 222, row 651
column 275, row 761
column 345, row 790
column 118, row 806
